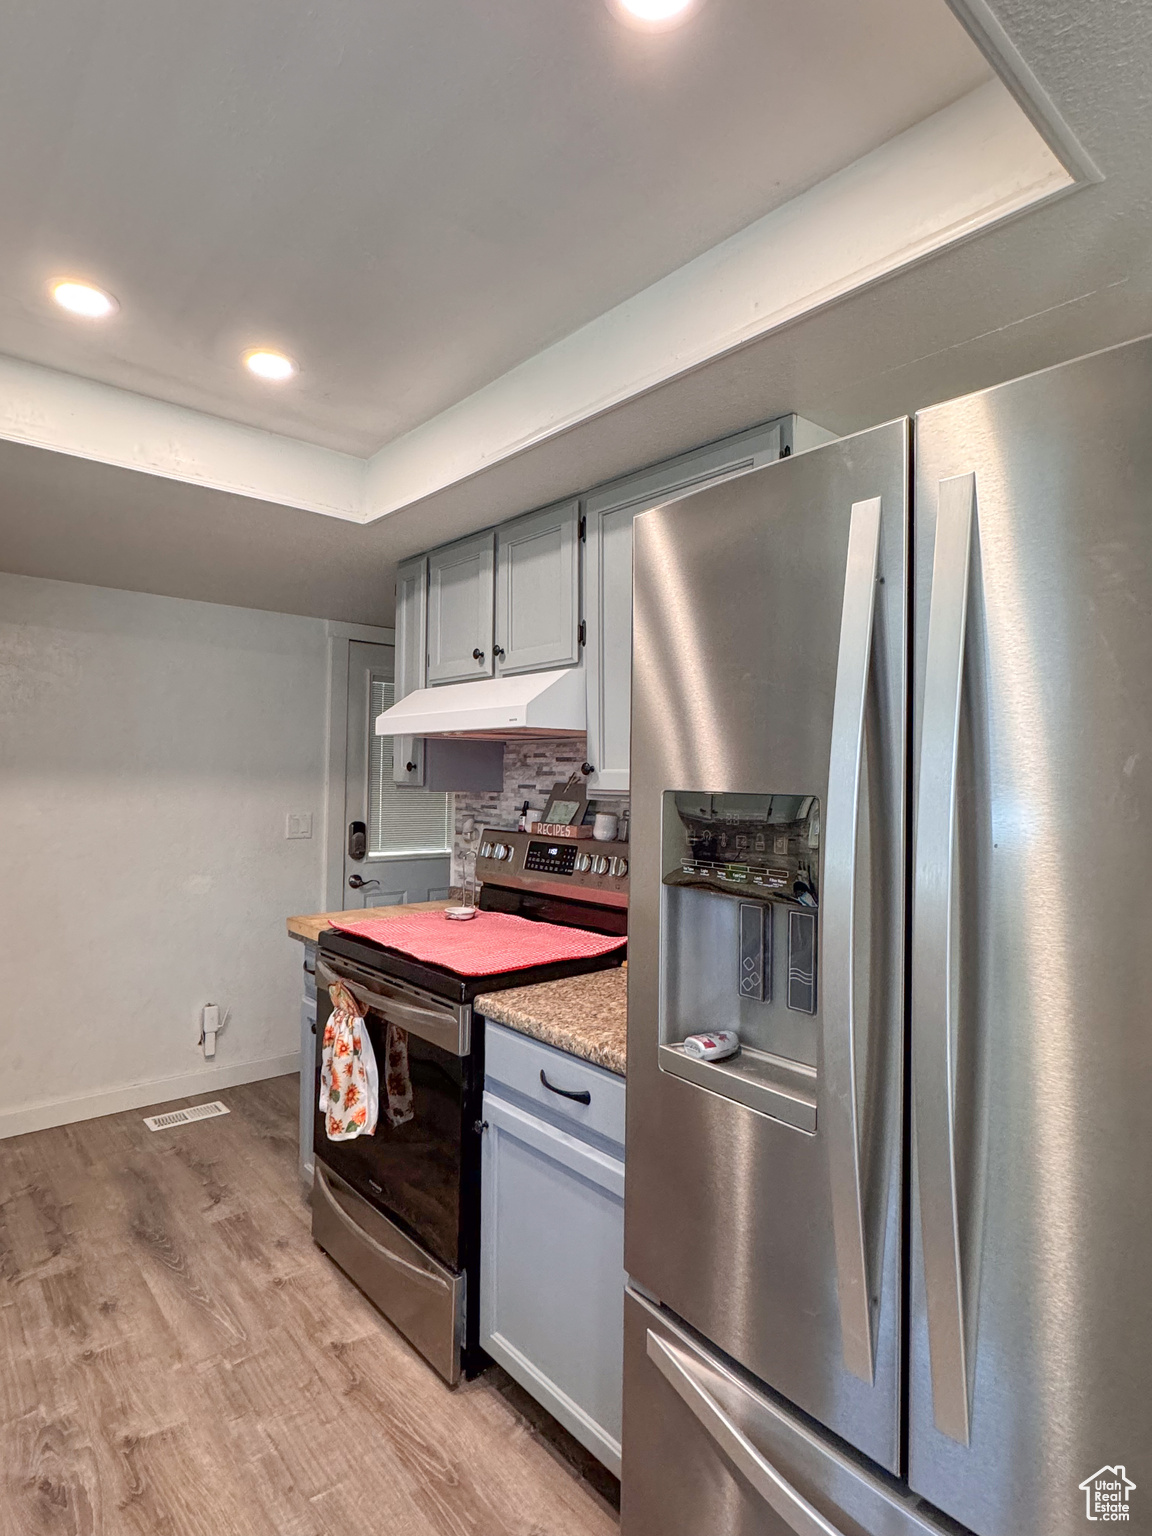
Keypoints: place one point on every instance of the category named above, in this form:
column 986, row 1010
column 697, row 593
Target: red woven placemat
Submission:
column 484, row 945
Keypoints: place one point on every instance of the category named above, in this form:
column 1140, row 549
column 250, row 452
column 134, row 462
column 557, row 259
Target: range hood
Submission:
column 532, row 704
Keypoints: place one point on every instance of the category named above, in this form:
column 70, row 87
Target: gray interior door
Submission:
column 396, row 838
column 764, row 1194
column 1031, row 1351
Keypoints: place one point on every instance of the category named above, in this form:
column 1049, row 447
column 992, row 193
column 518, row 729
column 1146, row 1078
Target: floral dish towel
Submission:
column 349, row 1083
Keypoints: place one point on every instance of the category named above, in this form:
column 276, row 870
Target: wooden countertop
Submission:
column 584, row 1015
column 310, row 928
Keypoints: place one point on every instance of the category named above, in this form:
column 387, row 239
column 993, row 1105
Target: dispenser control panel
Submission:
column 763, row 849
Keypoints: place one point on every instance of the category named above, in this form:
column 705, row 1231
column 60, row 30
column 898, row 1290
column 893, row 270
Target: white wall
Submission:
column 150, row 750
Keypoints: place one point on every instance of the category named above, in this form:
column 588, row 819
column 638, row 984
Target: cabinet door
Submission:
column 610, row 512
column 538, row 591
column 411, row 661
column 552, row 1271
column 460, row 598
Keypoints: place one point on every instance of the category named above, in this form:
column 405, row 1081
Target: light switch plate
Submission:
column 299, row 824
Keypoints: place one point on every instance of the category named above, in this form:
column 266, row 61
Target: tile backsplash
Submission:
column 531, row 767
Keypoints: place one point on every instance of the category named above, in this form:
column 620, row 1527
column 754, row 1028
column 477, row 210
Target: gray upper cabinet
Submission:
column 411, row 657
column 538, row 591
column 608, row 578
column 460, row 602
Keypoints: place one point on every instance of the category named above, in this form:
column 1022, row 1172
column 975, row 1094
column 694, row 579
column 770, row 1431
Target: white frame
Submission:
column 336, row 756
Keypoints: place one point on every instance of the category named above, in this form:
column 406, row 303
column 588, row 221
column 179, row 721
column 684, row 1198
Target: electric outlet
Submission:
column 299, row 824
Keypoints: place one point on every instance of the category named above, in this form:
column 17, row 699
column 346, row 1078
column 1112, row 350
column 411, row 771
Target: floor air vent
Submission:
column 186, row 1116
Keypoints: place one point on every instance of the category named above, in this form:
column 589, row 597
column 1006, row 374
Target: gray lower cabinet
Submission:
column 460, row 608
column 411, row 661
column 552, row 1233
column 538, row 591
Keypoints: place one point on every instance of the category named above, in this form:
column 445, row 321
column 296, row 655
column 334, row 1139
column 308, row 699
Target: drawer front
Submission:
column 516, row 1061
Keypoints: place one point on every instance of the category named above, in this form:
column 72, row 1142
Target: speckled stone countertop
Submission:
column 584, row 1015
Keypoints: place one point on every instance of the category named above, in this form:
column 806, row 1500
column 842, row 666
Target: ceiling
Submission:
column 1060, row 280
column 409, row 198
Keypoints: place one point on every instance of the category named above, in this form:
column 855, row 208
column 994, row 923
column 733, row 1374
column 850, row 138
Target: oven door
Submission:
column 414, row 1172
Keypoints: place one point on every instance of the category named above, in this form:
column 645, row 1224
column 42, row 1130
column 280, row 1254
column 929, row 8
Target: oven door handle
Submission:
column 449, row 1028
column 379, row 1249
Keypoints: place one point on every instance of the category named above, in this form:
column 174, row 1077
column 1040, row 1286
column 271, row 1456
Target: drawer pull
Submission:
column 581, row 1095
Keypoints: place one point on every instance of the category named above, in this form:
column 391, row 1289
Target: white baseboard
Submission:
column 90, row 1106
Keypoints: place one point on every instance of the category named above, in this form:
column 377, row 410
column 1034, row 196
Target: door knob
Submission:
column 358, row 882
column 409, row 767
column 498, row 651
column 477, row 654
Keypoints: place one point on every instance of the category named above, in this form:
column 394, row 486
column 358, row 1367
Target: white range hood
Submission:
column 532, row 704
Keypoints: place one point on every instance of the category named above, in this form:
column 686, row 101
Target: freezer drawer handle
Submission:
column 933, row 956
column 581, row 1095
column 775, row 1489
column 838, row 1004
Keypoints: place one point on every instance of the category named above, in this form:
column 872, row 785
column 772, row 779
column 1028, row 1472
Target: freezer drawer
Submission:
column 1030, row 1344
column 705, row 1451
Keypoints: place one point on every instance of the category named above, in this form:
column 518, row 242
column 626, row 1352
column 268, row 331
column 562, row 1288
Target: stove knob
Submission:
column 485, row 850
column 584, row 862
column 509, row 854
column 599, row 865
column 619, row 868
column 500, row 851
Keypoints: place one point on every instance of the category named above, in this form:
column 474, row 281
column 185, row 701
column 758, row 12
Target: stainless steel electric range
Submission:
column 399, row 1211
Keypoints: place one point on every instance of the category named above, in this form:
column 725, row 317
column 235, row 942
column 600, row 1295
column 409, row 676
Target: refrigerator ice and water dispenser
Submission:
column 739, row 919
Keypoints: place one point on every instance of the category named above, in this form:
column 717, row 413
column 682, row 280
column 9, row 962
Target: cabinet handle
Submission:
column 581, row 1095
column 477, row 654
column 409, row 767
column 498, row 651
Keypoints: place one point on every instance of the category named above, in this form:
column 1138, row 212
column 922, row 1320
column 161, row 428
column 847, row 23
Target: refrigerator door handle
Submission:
column 775, row 1489
column 842, row 1116
column 933, row 957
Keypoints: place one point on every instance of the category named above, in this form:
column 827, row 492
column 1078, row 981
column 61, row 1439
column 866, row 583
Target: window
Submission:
column 400, row 819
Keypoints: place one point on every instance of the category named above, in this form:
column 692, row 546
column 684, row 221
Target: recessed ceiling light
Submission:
column 269, row 365
column 83, row 299
column 654, row 14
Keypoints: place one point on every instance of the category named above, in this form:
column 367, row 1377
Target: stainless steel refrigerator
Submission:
column 891, row 1266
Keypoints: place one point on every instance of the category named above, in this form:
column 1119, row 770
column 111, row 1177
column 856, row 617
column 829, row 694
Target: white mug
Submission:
column 604, row 827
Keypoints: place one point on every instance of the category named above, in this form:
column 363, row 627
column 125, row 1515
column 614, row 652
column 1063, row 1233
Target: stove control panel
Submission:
column 581, row 868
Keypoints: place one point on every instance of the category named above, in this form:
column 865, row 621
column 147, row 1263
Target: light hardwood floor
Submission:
column 178, row 1359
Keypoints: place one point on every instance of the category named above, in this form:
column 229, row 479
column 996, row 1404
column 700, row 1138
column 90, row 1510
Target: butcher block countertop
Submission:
column 310, row 928
column 584, row 1015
